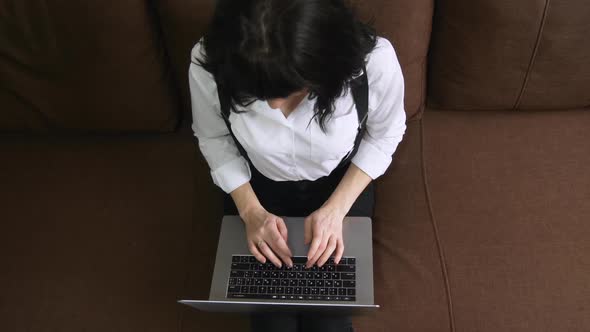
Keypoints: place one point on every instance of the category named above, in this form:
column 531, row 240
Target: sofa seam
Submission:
column 533, row 56
column 168, row 74
column 34, row 109
column 439, row 245
column 423, row 92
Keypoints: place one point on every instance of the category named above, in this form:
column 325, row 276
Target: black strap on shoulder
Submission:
column 360, row 94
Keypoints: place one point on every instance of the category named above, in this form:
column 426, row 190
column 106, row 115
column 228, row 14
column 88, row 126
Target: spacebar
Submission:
column 253, row 296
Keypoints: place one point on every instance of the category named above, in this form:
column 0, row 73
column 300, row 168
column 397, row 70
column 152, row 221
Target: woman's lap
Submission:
column 300, row 322
column 299, row 200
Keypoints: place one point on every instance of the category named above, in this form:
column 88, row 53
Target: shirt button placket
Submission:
column 293, row 165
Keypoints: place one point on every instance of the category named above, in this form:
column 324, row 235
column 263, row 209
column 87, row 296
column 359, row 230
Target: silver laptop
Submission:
column 242, row 284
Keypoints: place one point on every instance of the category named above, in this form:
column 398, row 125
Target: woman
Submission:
column 288, row 147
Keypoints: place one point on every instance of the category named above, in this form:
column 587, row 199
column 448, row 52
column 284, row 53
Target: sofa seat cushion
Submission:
column 509, row 194
column 95, row 232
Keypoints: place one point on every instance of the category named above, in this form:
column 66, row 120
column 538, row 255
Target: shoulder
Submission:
column 383, row 70
column 198, row 51
column 383, row 59
column 201, row 82
column 198, row 54
column 197, row 73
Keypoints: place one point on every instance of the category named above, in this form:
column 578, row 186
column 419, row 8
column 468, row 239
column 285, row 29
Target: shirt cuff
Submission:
column 371, row 160
column 232, row 175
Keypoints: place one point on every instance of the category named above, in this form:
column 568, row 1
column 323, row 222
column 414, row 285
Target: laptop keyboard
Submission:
column 250, row 279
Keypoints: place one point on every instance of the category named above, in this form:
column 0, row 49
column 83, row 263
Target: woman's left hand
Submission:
column 324, row 229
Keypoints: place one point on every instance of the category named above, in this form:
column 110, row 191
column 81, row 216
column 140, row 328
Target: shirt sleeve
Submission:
column 229, row 169
column 386, row 119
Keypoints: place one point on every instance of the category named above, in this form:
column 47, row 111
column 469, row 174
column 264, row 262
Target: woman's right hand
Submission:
column 267, row 236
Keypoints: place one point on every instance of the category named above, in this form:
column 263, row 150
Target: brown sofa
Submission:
column 109, row 215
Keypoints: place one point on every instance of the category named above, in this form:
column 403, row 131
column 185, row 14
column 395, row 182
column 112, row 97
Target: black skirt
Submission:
column 302, row 198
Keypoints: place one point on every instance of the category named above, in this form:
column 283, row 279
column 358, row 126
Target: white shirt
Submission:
column 285, row 149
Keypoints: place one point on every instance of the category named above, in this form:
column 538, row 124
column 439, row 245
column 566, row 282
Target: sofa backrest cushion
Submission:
column 82, row 66
column 183, row 24
column 510, row 55
column 407, row 24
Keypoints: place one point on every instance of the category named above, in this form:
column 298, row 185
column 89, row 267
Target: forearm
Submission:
column 245, row 199
column 348, row 190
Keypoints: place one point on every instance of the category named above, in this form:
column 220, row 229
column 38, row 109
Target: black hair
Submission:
column 264, row 49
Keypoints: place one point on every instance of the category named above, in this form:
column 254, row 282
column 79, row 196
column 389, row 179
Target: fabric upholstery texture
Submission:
column 407, row 25
column 561, row 64
column 409, row 272
column 183, row 23
column 82, row 66
column 504, row 55
column 509, row 192
column 95, row 232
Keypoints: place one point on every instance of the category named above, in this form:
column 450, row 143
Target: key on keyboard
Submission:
column 250, row 279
